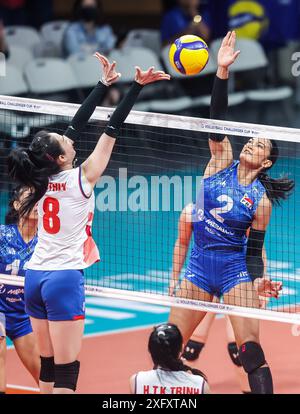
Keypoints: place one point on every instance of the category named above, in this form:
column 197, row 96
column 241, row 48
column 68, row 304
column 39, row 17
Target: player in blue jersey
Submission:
column 18, row 238
column 266, row 288
column 235, row 196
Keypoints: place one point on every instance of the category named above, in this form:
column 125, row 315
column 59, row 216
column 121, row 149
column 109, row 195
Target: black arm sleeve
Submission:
column 121, row 112
column 85, row 111
column 219, row 104
column 254, row 260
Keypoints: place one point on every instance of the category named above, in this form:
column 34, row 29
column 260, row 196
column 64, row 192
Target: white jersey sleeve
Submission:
column 65, row 216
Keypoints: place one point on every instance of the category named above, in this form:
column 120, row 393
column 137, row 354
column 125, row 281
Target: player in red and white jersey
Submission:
column 65, row 243
column 54, row 282
column 169, row 375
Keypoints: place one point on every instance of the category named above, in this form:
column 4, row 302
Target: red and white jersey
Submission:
column 160, row 381
column 65, row 216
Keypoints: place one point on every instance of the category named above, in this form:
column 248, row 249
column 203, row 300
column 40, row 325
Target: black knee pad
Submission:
column 234, row 353
column 47, row 373
column 251, row 356
column 66, row 375
column 192, row 350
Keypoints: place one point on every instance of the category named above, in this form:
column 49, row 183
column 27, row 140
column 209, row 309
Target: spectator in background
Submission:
column 186, row 18
column 40, row 12
column 13, row 12
column 85, row 35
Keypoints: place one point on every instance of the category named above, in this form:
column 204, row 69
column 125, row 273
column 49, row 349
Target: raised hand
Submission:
column 150, row 75
column 110, row 75
column 227, row 55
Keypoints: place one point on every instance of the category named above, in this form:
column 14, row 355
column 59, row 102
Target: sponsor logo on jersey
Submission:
column 189, row 274
column 243, row 275
column 216, row 226
column 246, row 201
column 2, row 289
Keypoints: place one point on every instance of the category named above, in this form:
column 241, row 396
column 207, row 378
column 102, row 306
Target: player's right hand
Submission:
column 150, row 75
column 227, row 55
column 110, row 75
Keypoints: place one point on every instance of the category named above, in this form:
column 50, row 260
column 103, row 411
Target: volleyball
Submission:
column 189, row 55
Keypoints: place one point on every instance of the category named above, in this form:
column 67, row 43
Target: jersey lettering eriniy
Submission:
column 65, row 215
column 225, row 209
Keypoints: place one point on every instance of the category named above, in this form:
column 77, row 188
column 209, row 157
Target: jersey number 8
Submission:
column 51, row 221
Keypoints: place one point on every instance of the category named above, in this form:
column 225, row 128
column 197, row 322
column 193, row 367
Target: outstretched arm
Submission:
column 181, row 246
column 95, row 98
column 96, row 163
column 220, row 147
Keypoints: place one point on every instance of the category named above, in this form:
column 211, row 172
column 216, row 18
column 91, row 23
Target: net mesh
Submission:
column 155, row 171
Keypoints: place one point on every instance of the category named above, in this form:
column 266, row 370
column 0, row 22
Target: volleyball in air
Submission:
column 189, row 55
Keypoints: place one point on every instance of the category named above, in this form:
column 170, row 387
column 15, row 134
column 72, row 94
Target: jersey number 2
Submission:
column 51, row 221
column 215, row 212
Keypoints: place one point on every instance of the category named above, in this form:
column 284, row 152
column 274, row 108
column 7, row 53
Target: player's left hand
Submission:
column 268, row 288
column 150, row 75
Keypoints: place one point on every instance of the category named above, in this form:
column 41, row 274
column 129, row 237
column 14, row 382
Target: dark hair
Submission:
column 165, row 346
column 77, row 7
column 33, row 166
column 12, row 216
column 276, row 189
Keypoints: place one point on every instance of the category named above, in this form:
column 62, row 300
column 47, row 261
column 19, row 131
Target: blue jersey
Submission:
column 225, row 210
column 14, row 255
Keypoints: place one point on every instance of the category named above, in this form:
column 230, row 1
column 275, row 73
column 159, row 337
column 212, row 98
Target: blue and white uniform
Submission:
column 222, row 215
column 14, row 256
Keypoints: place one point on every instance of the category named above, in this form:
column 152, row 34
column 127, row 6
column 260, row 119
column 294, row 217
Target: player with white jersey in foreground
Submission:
column 169, row 375
column 54, row 282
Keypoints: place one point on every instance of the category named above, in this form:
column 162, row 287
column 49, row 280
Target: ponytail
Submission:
column 32, row 167
column 276, row 189
column 169, row 361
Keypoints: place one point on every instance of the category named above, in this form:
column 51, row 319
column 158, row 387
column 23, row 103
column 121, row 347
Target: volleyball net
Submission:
column 156, row 170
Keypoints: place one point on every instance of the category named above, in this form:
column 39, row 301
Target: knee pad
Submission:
column 251, row 356
column 66, row 375
column 234, row 353
column 192, row 350
column 47, row 373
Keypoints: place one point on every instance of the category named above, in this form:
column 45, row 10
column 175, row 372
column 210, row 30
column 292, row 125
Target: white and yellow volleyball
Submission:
column 189, row 55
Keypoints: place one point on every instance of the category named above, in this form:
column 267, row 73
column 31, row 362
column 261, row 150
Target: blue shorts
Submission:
column 217, row 272
column 15, row 325
column 55, row 295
